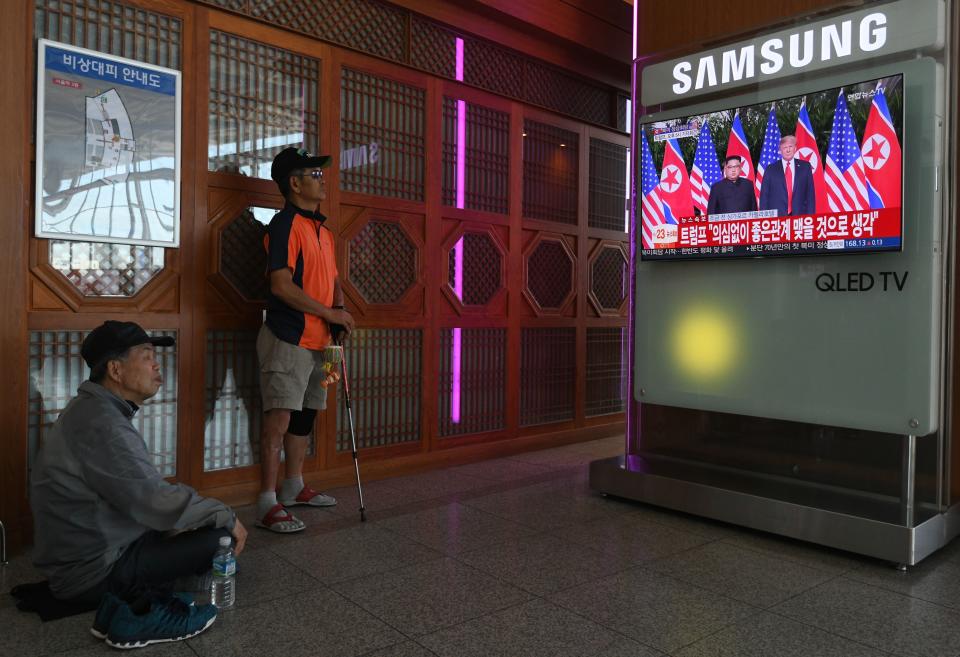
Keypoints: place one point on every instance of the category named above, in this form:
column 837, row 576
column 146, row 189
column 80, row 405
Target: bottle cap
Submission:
column 225, row 541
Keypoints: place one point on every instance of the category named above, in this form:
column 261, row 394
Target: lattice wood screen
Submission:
column 550, row 170
column 100, row 269
column 549, row 274
column 432, row 48
column 367, row 25
column 232, row 405
column 557, row 90
column 547, row 371
column 481, row 269
column 608, row 185
column 401, row 36
column 474, row 402
column 488, row 66
column 487, row 161
column 233, row 5
column 608, row 278
column 57, row 370
column 111, row 27
column 383, row 366
column 382, row 130
column 262, row 99
column 243, row 260
column 382, row 262
column 606, row 373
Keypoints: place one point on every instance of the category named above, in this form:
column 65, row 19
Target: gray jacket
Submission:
column 94, row 490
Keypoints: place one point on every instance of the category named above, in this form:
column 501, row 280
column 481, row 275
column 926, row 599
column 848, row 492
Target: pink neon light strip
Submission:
column 461, row 153
column 461, row 166
column 457, row 345
column 459, row 63
column 632, row 435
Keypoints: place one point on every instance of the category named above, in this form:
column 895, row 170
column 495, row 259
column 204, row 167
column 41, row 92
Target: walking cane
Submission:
column 353, row 433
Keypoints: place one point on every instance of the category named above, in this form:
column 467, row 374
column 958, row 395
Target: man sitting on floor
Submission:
column 109, row 530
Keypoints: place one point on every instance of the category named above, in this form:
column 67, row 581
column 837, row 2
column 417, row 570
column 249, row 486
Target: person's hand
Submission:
column 341, row 317
column 240, row 536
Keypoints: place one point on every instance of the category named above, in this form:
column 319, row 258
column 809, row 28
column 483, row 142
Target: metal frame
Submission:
column 906, row 545
column 121, row 63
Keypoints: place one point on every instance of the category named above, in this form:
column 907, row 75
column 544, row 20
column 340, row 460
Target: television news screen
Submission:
column 819, row 173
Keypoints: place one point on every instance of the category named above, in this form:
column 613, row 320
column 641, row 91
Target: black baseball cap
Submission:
column 290, row 159
column 112, row 338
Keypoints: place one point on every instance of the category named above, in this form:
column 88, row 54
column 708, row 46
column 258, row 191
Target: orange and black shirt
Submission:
column 296, row 239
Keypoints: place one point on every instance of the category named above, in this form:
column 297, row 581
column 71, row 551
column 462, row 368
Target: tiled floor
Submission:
column 517, row 557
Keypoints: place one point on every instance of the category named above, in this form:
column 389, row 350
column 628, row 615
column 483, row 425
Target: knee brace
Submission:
column 301, row 422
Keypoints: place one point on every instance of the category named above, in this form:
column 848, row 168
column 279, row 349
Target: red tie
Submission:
column 788, row 174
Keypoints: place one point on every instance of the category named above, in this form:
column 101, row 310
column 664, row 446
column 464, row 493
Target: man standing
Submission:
column 732, row 193
column 109, row 530
column 304, row 300
column 788, row 185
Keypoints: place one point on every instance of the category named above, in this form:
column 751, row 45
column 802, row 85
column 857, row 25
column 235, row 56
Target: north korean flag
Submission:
column 807, row 150
column 881, row 156
column 675, row 192
column 737, row 145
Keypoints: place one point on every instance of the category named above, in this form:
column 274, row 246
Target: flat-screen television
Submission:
column 814, row 174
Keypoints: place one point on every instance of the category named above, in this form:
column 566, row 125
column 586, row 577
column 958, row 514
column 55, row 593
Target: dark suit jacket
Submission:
column 773, row 190
column 736, row 196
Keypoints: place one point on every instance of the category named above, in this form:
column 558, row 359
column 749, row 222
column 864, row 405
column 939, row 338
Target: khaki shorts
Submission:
column 290, row 376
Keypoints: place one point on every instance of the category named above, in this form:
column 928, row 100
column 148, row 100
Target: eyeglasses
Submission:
column 316, row 174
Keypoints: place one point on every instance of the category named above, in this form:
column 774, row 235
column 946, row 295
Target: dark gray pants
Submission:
column 153, row 562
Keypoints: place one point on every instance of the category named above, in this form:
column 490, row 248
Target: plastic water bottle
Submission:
column 223, row 589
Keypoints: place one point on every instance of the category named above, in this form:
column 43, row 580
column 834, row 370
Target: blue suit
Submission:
column 773, row 189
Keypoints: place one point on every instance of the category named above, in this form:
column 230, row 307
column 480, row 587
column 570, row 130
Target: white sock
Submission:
column 265, row 502
column 290, row 488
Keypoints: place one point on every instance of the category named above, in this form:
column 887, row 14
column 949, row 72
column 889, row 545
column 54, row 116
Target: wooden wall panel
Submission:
column 576, row 36
column 661, row 27
column 193, row 296
column 599, row 27
column 15, row 71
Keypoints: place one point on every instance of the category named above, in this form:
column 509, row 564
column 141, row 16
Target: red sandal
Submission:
column 310, row 497
column 281, row 521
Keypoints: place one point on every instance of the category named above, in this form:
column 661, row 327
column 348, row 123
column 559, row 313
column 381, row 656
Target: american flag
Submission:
column 843, row 172
column 651, row 212
column 705, row 171
column 770, row 153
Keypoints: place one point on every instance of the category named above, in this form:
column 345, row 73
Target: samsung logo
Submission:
column 797, row 51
